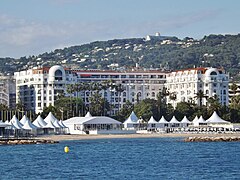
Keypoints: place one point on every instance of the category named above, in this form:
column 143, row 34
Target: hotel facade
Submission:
column 7, row 91
column 185, row 84
column 39, row 87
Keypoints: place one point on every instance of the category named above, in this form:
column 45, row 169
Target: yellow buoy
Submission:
column 66, row 149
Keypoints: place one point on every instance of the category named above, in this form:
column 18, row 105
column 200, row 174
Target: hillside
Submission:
column 168, row 53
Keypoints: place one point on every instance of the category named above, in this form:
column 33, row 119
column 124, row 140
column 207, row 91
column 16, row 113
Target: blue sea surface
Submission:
column 140, row 158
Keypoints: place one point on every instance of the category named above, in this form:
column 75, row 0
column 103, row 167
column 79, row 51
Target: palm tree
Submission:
column 234, row 88
column 200, row 95
column 213, row 104
column 119, row 89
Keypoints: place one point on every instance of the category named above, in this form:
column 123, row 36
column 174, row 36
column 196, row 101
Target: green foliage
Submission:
column 212, row 50
column 125, row 111
column 98, row 105
column 146, row 108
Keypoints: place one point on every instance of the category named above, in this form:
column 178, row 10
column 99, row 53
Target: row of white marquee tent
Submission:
column 132, row 121
column 50, row 122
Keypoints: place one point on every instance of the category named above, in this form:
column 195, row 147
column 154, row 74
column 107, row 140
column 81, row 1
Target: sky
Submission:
column 32, row 27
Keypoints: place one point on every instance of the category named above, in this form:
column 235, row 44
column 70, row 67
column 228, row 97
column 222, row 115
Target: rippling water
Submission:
column 150, row 158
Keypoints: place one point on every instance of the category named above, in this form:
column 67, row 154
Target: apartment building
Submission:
column 185, row 84
column 39, row 87
column 7, row 91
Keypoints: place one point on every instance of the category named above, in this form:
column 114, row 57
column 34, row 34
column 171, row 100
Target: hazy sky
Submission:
column 31, row 27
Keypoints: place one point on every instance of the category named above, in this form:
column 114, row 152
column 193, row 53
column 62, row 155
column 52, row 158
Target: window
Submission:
column 153, row 94
column 213, row 73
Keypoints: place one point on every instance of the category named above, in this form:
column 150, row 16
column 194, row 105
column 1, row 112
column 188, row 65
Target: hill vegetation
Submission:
column 171, row 54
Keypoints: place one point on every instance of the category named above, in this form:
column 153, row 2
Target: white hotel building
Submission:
column 187, row 83
column 39, row 87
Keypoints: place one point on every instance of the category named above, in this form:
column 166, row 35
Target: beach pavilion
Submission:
column 93, row 125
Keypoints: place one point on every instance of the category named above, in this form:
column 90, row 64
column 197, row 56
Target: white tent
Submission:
column 57, row 124
column 88, row 114
column 3, row 124
column 200, row 121
column 152, row 123
column 28, row 125
column 215, row 119
column 49, row 128
column 185, row 122
column 96, row 124
column 24, row 119
column 131, row 121
column 50, row 117
column 39, row 122
column 163, row 120
column 15, row 123
column 62, row 124
column 162, row 123
column 49, row 125
column 174, row 122
column 195, row 119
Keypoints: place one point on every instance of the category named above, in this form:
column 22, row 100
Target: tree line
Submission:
column 72, row 104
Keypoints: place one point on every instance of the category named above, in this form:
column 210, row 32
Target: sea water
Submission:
column 138, row 158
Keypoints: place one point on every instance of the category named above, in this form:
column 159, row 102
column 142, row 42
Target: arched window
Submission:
column 213, row 73
column 153, row 94
column 58, row 75
column 207, row 91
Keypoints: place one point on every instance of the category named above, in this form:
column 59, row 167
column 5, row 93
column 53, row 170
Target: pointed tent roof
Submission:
column 163, row 120
column 28, row 125
column 39, row 122
column 216, row 119
column 50, row 125
column 56, row 124
column 50, row 117
column 185, row 120
column 152, row 120
column 174, row 120
column 88, row 114
column 131, row 119
column 15, row 123
column 201, row 120
column 7, row 122
column 3, row 124
column 62, row 124
column 195, row 119
column 24, row 119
